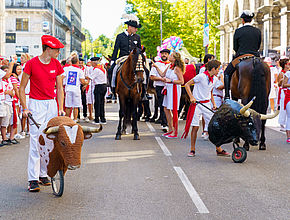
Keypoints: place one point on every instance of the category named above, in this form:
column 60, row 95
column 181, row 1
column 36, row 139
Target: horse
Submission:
column 252, row 78
column 129, row 89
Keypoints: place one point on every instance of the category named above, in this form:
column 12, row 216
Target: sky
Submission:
column 102, row 16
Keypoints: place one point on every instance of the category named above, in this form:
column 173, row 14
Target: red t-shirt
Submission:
column 42, row 78
column 190, row 72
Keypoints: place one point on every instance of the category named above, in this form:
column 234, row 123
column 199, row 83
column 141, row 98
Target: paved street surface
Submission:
column 153, row 179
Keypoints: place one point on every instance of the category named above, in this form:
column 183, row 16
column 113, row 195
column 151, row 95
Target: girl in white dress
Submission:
column 173, row 77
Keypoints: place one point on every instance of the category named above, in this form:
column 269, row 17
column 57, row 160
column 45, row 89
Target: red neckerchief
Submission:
column 283, row 71
column 100, row 67
column 164, row 62
column 210, row 78
column 74, row 65
column 202, row 66
column 172, row 66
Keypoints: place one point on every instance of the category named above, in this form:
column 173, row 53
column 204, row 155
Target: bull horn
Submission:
column 92, row 130
column 244, row 110
column 51, row 130
column 264, row 117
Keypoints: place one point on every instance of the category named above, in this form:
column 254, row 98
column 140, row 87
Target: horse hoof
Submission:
column 136, row 137
column 262, row 146
column 118, row 137
column 247, row 147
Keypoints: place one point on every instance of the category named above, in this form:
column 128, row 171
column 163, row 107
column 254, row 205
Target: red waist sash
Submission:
column 189, row 117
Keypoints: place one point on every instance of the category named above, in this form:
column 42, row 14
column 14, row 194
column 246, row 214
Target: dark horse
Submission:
column 253, row 78
column 129, row 89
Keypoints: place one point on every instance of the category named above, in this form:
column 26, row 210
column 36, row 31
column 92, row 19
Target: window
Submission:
column 21, row 24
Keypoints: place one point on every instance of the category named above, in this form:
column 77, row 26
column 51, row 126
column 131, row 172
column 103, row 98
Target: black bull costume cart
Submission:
column 233, row 121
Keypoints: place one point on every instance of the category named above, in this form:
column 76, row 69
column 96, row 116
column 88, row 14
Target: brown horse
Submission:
column 253, row 78
column 129, row 89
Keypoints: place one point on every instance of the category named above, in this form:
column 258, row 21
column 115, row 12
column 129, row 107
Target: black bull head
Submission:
column 233, row 120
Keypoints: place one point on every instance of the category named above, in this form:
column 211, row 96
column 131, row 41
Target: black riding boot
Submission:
column 114, row 97
column 227, row 79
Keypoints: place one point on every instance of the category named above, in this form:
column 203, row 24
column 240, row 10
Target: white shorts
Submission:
column 205, row 113
column 6, row 120
column 73, row 99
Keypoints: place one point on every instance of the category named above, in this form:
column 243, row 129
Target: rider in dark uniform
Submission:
column 125, row 43
column 247, row 40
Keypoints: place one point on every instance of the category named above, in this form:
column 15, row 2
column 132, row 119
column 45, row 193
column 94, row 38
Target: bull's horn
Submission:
column 264, row 117
column 244, row 111
column 51, row 130
column 92, row 130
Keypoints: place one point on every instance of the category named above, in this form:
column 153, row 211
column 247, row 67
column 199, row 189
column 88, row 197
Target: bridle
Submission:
column 139, row 67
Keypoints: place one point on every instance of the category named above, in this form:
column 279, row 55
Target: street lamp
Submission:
column 205, row 22
column 160, row 22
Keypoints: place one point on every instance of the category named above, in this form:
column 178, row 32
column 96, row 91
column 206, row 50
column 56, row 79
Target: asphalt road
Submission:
column 153, row 179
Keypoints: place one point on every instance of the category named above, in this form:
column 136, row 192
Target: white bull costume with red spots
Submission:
column 60, row 142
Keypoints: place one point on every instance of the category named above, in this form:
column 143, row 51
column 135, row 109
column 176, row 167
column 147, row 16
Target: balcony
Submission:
column 35, row 4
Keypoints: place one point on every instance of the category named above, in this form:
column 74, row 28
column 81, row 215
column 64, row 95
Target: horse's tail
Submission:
column 258, row 87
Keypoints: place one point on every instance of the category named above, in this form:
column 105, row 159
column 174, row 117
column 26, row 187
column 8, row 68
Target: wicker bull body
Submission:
column 60, row 142
column 233, row 121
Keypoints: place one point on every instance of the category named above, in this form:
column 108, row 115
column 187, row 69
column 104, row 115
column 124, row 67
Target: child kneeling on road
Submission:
column 202, row 92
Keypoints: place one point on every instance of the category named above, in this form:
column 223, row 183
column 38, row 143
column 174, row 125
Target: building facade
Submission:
column 272, row 17
column 27, row 20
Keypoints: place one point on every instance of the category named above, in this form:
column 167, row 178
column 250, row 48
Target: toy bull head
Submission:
column 60, row 144
column 234, row 120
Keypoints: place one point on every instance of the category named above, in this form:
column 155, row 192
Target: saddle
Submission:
column 241, row 58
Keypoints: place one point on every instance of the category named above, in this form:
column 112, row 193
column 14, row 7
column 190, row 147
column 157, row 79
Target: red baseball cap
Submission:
column 51, row 42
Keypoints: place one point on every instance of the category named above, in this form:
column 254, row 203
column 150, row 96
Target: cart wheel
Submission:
column 239, row 155
column 57, row 183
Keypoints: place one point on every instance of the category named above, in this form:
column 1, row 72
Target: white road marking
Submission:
column 150, row 127
column 163, row 147
column 191, row 191
column 121, row 154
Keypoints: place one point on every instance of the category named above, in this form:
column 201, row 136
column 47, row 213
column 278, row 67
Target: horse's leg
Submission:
column 134, row 122
column 121, row 116
column 262, row 145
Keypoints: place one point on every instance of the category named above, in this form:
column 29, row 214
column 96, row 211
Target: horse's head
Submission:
column 138, row 63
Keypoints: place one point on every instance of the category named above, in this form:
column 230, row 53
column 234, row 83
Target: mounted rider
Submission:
column 125, row 43
column 247, row 41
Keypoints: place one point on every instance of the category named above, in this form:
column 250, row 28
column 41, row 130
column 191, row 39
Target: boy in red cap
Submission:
column 44, row 72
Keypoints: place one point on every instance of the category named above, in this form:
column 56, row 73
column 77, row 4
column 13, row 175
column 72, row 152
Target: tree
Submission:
column 184, row 19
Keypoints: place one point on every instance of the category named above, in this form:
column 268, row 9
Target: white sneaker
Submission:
column 164, row 128
column 22, row 133
column 203, row 134
column 19, row 136
column 205, row 137
column 87, row 119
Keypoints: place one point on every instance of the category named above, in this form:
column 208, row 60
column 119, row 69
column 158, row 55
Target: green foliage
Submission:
column 184, row 18
column 102, row 45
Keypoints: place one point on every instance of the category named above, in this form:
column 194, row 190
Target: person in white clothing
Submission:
column 98, row 77
column 285, row 65
column 217, row 91
column 173, row 77
column 286, row 84
column 274, row 86
column 159, row 84
column 202, row 92
column 74, row 76
column 44, row 73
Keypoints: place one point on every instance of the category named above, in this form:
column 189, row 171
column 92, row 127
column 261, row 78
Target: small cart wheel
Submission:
column 57, row 183
column 239, row 155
